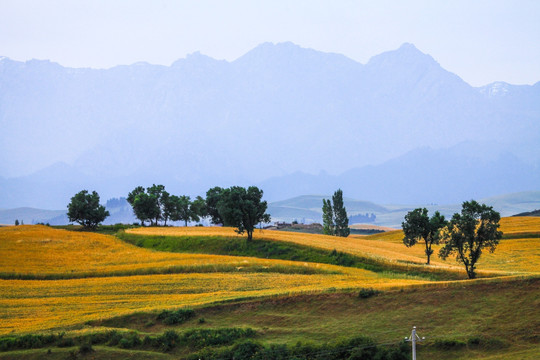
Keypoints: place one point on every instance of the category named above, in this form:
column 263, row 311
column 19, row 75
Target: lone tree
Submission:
column 242, row 209
column 85, row 209
column 335, row 220
column 328, row 217
column 341, row 220
column 418, row 226
column 468, row 233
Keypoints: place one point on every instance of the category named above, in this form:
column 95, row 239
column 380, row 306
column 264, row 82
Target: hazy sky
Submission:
column 481, row 41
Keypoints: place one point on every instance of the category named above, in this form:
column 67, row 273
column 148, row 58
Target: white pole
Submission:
column 414, row 337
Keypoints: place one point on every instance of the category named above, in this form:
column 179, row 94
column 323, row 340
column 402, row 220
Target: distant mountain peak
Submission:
column 286, row 54
column 196, row 58
column 408, row 47
column 407, row 53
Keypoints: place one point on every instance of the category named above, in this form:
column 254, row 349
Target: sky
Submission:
column 482, row 41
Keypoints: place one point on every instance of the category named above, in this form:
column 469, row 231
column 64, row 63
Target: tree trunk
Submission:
column 185, row 222
column 250, row 235
column 428, row 252
column 471, row 273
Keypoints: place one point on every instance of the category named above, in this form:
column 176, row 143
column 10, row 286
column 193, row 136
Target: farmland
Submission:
column 81, row 283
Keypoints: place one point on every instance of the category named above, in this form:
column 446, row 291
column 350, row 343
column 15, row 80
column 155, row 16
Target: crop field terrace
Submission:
column 54, row 281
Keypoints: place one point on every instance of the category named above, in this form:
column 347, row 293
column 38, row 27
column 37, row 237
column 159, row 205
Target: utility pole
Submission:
column 414, row 338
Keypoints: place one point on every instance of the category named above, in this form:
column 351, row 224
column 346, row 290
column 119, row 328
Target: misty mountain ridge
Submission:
column 278, row 110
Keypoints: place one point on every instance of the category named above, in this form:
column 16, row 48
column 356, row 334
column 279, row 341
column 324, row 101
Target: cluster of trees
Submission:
column 335, row 220
column 466, row 235
column 235, row 206
column 154, row 204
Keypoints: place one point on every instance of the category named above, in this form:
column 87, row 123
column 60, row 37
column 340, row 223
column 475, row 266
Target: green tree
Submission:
column 198, row 206
column 150, row 204
column 167, row 206
column 184, row 210
column 85, row 209
column 418, row 226
column 143, row 205
column 156, row 192
column 242, row 209
column 468, row 233
column 211, row 209
column 328, row 218
column 16, row 222
column 341, row 221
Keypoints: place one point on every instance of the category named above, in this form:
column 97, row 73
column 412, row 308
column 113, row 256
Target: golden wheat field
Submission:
column 513, row 256
column 521, row 224
column 41, row 250
column 38, row 305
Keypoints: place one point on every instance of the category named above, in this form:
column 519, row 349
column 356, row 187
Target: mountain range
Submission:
column 294, row 121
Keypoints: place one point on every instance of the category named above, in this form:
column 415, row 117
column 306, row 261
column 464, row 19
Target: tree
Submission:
column 335, row 220
column 468, row 233
column 149, row 204
column 198, row 206
column 144, row 206
column 341, row 220
column 184, row 210
column 16, row 222
column 85, row 209
column 328, row 217
column 157, row 192
column 168, row 207
column 418, row 226
column 212, row 198
column 242, row 209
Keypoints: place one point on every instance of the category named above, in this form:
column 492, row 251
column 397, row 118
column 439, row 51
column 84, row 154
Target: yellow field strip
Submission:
column 520, row 224
column 31, row 305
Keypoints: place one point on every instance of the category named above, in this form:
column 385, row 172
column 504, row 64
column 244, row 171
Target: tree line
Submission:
column 235, row 207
